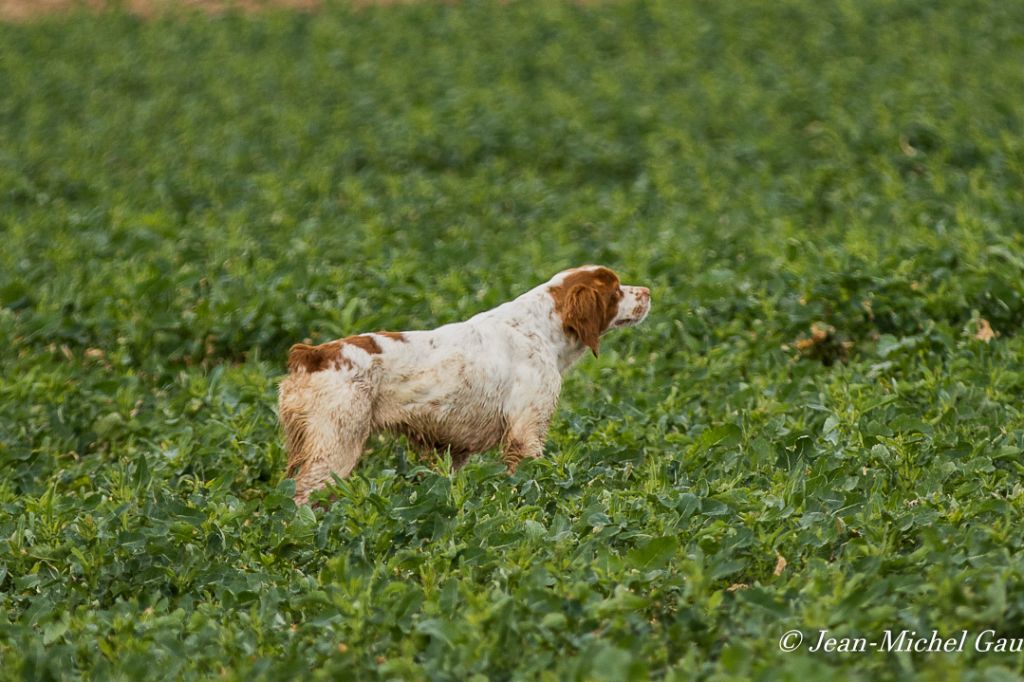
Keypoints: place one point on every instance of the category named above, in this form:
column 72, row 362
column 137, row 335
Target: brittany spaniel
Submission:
column 465, row 387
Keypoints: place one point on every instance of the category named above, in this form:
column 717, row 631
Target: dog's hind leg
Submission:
column 326, row 424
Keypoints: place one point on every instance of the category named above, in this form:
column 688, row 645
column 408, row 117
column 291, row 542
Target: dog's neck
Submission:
column 533, row 314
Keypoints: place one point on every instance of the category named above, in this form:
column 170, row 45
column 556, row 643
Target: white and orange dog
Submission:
column 465, row 387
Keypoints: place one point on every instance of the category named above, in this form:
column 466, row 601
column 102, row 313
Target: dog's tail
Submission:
column 303, row 357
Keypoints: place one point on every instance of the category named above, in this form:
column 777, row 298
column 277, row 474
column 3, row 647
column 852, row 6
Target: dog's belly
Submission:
column 462, row 433
column 464, row 420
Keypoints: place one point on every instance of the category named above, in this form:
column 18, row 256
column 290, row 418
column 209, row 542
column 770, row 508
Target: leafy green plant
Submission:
column 182, row 198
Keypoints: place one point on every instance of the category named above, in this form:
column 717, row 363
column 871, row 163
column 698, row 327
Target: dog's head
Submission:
column 590, row 300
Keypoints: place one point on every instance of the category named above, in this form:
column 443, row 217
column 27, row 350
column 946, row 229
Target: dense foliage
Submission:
column 181, row 199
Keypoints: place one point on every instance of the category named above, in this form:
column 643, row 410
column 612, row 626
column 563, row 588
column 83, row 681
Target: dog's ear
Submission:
column 587, row 300
column 584, row 315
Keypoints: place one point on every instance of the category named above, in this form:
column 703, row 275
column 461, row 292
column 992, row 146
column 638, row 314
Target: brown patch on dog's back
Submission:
column 587, row 301
column 394, row 336
column 367, row 343
column 328, row 355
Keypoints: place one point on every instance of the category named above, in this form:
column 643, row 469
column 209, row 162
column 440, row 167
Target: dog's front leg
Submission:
column 524, row 439
column 529, row 409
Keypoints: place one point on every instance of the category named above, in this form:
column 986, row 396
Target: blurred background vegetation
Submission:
column 184, row 195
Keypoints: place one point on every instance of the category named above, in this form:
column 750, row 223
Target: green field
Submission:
column 182, row 199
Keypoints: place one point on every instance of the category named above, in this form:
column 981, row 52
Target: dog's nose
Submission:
column 644, row 292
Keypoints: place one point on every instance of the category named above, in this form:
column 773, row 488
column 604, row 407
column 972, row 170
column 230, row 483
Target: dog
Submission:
column 492, row 380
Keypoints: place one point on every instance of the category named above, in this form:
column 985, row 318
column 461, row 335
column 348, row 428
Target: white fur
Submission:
column 491, row 380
